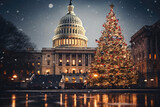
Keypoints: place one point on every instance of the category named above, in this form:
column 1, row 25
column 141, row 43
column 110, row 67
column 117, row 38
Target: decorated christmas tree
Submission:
column 113, row 65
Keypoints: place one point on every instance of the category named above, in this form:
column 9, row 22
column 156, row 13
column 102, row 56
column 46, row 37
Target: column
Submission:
column 70, row 60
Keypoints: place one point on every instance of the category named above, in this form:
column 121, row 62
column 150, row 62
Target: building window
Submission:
column 32, row 64
column 69, row 41
column 38, row 63
column 67, row 71
column 60, row 59
column 81, row 80
column 74, row 62
column 66, row 80
column 80, row 71
column 66, row 41
column 155, row 57
column 150, row 56
column 73, row 80
column 86, row 59
column 47, row 71
column 38, row 72
column 48, row 62
column 68, row 58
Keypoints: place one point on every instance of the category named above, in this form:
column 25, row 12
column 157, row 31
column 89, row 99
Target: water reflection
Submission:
column 26, row 100
column 84, row 100
column 13, row 100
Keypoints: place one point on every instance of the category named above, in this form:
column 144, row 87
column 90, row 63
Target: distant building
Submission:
column 146, row 53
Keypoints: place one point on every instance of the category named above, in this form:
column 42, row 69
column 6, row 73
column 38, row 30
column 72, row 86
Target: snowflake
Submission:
column 89, row 6
column 148, row 10
column 50, row 5
column 1, row 4
column 22, row 19
column 17, row 11
column 7, row 11
column 155, row 1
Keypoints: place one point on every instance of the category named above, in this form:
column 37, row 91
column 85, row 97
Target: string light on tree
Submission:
column 113, row 65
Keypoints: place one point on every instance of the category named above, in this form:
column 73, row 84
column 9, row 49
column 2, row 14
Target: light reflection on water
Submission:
column 80, row 100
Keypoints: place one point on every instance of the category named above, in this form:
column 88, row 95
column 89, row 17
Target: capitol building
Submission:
column 69, row 56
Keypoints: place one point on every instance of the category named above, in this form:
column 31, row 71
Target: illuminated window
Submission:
column 63, row 41
column 73, row 80
column 47, row 71
column 38, row 63
column 72, row 41
column 74, row 62
column 150, row 56
column 32, row 64
column 69, row 41
column 60, row 60
column 38, row 72
column 59, row 42
column 155, row 56
column 66, row 41
column 66, row 80
column 67, row 60
column 76, row 42
column 67, row 71
column 81, row 80
column 79, row 61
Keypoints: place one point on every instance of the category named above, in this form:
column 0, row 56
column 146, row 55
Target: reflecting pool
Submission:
column 79, row 100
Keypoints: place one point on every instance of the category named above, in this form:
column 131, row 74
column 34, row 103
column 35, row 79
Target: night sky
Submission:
column 39, row 18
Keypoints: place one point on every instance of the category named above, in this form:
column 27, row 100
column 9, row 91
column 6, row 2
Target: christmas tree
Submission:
column 113, row 65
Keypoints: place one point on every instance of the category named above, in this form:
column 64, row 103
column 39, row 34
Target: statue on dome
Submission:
column 70, row 2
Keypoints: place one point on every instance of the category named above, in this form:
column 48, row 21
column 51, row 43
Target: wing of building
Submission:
column 146, row 54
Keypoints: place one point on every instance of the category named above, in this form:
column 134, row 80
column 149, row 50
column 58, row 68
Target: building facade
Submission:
column 146, row 54
column 69, row 56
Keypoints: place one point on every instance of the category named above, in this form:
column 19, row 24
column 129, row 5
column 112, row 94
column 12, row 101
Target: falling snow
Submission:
column 50, row 5
column 17, row 11
column 7, row 11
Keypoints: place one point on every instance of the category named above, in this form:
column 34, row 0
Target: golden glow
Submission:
column 66, row 80
column 32, row 64
column 74, row 61
column 73, row 80
column 14, row 76
column 152, row 79
column 95, row 75
column 4, row 72
column 48, row 71
column 13, row 100
column 150, row 56
column 145, row 100
column 26, row 100
column 65, row 98
column 38, row 72
column 85, row 99
column 38, row 63
column 67, row 60
column 95, row 102
column 60, row 60
column 155, row 57
column 79, row 61
column 45, row 99
column 75, row 100
column 61, row 99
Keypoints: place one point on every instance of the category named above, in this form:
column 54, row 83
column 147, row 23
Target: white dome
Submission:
column 70, row 27
column 70, row 19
